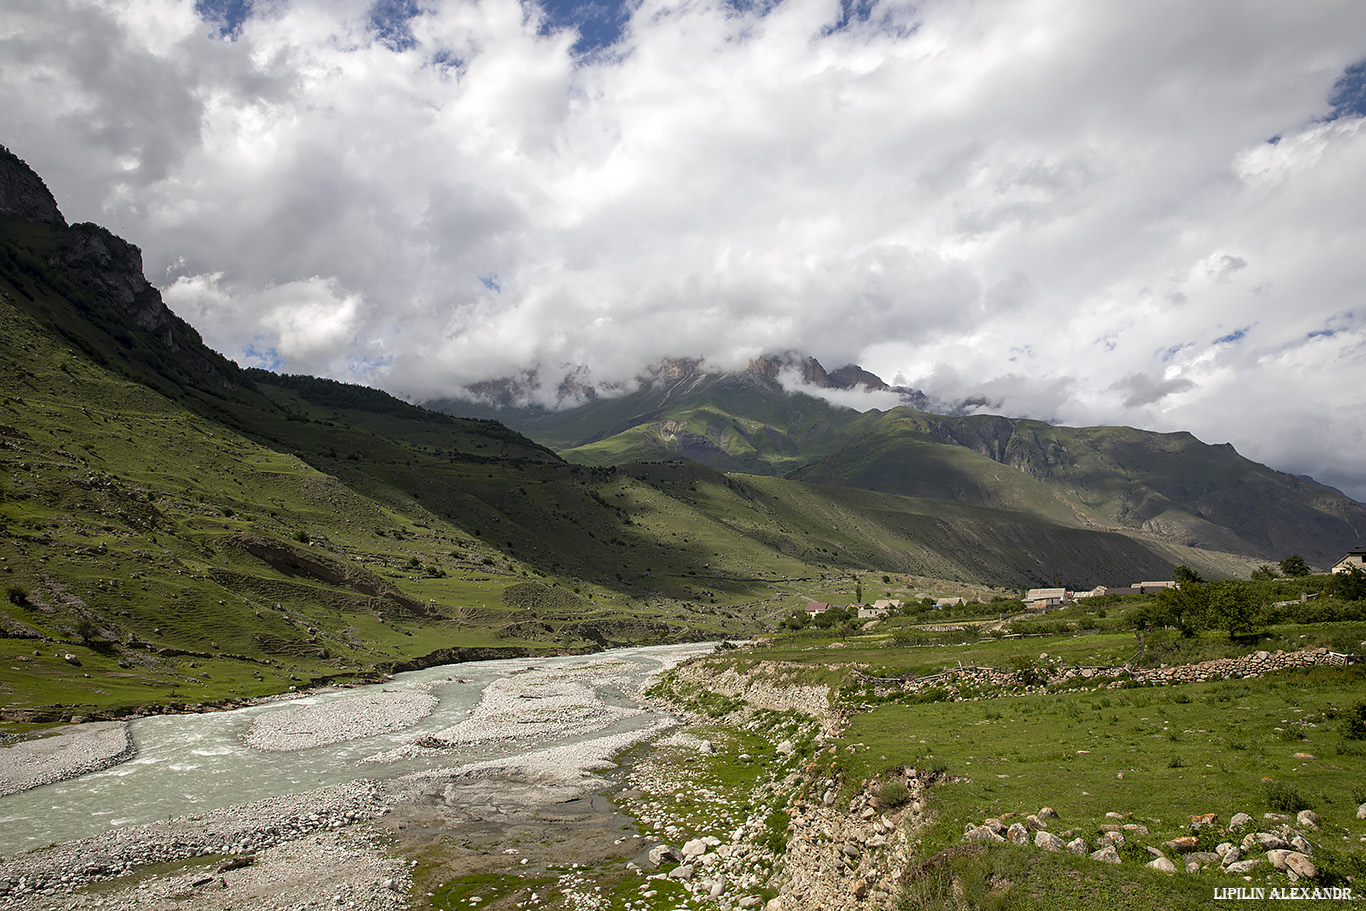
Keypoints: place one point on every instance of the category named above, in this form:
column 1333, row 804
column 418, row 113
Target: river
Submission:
column 491, row 710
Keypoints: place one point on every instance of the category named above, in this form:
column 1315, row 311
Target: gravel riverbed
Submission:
column 72, row 751
column 557, row 728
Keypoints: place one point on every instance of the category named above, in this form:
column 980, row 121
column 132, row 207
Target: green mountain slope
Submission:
column 1169, row 488
column 188, row 531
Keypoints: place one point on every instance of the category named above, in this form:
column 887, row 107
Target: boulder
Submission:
column 1361, row 811
column 695, row 848
column 1107, row 854
column 1263, row 841
column 683, row 872
column 1232, row 857
column 1203, row 820
column 1307, row 819
column 1183, row 844
column 1301, row 866
column 1293, row 862
column 982, row 835
column 661, row 853
column 786, row 748
column 1243, row 866
column 1048, row 841
column 1017, row 834
column 1078, row 846
column 1299, row 843
column 1239, row 820
column 1050, row 813
column 1161, row 863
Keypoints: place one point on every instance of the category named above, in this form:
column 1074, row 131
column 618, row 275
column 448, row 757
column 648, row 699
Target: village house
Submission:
column 878, row 609
column 816, row 607
column 1356, row 558
column 1044, row 598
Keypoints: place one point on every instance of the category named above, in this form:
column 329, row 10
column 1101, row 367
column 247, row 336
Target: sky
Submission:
column 1150, row 214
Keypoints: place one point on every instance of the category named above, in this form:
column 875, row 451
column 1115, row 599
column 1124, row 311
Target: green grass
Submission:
column 1089, row 754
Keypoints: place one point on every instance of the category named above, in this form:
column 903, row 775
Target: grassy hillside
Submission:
column 236, row 542
column 1165, row 488
column 188, row 531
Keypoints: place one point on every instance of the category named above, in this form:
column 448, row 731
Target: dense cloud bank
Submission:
column 1093, row 213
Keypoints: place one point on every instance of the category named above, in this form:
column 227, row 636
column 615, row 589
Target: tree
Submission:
column 1183, row 574
column 1184, row 608
column 1294, row 566
column 1264, row 573
column 1349, row 585
column 1231, row 608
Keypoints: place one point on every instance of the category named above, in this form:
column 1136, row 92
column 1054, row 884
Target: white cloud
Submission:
column 1060, row 208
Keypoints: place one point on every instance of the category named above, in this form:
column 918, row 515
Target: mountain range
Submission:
column 1167, row 487
column 175, row 529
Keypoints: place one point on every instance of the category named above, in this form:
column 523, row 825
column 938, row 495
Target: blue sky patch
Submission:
column 389, row 19
column 228, row 15
column 1349, row 93
column 598, row 22
column 1235, row 335
column 491, row 282
column 269, row 359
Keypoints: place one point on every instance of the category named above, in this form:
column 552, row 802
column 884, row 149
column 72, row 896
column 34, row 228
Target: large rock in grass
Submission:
column 1078, row 846
column 1048, row 841
column 1161, row 863
column 1263, row 841
column 982, row 835
column 661, row 853
column 1107, row 854
column 1018, row 834
column 1239, row 820
column 1241, row 867
column 1293, row 862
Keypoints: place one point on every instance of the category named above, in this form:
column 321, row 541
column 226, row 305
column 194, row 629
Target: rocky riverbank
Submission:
column 67, row 753
column 338, row 846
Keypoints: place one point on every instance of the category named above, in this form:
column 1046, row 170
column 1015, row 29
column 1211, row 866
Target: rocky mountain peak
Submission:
column 23, row 193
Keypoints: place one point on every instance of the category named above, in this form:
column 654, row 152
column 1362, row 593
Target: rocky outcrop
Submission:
column 851, row 855
column 23, row 193
column 766, row 685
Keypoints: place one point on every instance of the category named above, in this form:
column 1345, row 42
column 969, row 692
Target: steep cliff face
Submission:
column 101, row 274
column 23, row 193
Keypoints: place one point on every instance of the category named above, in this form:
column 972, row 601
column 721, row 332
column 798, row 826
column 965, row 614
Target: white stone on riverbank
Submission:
column 73, row 751
column 303, row 726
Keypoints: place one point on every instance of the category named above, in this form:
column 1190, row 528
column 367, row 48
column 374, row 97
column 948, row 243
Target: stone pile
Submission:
column 964, row 683
column 1280, row 846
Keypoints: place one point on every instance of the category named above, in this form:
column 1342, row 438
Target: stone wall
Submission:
column 965, row 682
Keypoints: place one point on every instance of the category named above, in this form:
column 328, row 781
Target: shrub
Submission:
column 1354, row 722
column 1284, row 798
column 301, row 536
column 17, row 595
column 893, row 793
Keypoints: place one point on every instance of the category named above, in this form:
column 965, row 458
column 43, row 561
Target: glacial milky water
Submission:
column 193, row 763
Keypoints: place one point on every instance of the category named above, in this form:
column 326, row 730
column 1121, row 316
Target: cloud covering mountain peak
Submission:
column 1144, row 214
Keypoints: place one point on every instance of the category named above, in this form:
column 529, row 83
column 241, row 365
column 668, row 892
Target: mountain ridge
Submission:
column 190, row 531
column 1164, row 486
